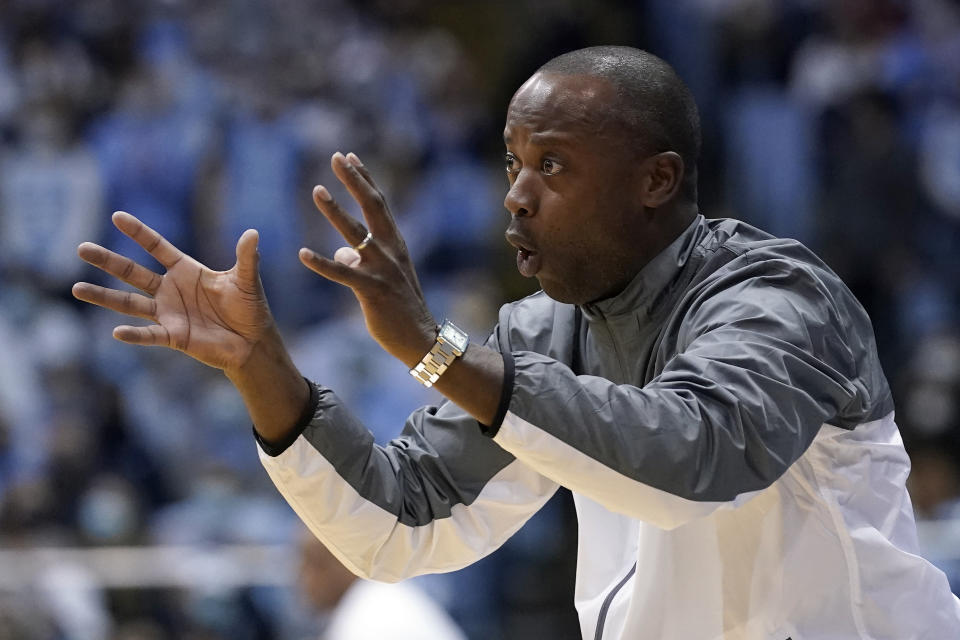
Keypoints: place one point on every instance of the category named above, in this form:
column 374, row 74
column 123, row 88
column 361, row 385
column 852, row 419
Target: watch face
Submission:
column 451, row 334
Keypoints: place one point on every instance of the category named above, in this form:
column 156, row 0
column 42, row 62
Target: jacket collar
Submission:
column 652, row 280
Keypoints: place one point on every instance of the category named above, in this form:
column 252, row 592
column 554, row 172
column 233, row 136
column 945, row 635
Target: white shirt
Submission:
column 377, row 611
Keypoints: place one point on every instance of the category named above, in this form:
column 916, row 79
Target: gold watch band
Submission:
column 441, row 355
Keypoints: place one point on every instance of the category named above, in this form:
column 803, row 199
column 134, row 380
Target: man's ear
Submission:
column 661, row 178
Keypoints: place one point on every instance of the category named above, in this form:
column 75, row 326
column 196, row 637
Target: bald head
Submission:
column 653, row 107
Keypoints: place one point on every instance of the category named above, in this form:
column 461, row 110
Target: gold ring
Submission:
column 363, row 243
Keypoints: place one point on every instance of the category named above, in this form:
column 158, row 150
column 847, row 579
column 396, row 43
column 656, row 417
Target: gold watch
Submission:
column 451, row 343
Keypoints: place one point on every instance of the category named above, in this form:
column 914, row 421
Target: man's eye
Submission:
column 510, row 163
column 551, row 167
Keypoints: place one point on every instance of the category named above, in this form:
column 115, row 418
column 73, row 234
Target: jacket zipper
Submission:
column 602, row 617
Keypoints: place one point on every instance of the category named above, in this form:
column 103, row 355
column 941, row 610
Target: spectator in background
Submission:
column 51, row 195
column 356, row 609
column 22, row 407
column 259, row 180
column 150, row 150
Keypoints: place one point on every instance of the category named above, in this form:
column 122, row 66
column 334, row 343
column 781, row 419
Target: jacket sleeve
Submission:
column 437, row 498
column 762, row 362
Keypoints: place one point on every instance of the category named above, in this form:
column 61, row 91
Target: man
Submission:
column 710, row 394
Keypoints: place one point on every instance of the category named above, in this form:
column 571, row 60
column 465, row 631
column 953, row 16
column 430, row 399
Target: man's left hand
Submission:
column 377, row 268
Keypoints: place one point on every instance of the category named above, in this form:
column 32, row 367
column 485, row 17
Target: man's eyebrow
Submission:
column 547, row 138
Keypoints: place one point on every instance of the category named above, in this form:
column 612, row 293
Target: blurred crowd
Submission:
column 837, row 123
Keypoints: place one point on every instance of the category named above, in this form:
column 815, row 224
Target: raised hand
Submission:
column 217, row 317
column 378, row 269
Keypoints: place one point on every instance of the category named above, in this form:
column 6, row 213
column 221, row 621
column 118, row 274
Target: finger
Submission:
column 127, row 302
column 120, row 267
column 350, row 171
column 354, row 161
column 151, row 241
column 331, row 269
column 346, row 225
column 150, row 336
column 248, row 258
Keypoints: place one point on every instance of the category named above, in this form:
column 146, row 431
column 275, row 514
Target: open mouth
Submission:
column 528, row 259
column 528, row 262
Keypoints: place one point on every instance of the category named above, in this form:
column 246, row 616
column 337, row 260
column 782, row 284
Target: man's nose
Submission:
column 521, row 199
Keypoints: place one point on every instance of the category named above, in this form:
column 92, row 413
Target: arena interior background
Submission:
column 132, row 504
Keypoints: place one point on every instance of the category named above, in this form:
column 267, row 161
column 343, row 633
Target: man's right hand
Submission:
column 221, row 318
column 216, row 317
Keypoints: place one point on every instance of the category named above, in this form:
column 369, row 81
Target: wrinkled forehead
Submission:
column 573, row 105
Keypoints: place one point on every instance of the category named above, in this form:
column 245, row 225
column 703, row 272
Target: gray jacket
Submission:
column 706, row 405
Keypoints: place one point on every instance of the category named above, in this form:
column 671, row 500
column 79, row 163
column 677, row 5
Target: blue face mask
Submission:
column 106, row 514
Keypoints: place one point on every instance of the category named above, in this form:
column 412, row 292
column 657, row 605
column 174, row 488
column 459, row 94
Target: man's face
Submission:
column 575, row 217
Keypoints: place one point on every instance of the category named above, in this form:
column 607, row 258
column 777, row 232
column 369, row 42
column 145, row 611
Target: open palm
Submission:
column 216, row 317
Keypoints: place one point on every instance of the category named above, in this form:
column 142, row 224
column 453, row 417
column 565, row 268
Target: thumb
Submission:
column 348, row 256
column 248, row 258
